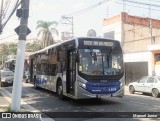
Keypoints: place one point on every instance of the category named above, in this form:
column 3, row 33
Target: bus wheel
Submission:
column 60, row 89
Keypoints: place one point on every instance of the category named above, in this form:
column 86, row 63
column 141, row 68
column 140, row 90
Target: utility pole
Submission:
column 22, row 32
column 124, row 10
column 150, row 25
column 68, row 32
column 1, row 16
column 123, row 25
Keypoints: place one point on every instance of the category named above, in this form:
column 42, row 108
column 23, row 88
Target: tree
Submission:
column 6, row 50
column 32, row 47
column 46, row 30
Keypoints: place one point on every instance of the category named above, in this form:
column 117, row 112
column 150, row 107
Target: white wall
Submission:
column 116, row 27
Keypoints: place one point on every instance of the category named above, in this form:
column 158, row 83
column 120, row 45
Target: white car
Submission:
column 147, row 84
column 6, row 78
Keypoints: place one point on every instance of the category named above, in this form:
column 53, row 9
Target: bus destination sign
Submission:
column 98, row 43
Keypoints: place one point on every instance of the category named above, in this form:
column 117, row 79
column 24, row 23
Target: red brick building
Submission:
column 141, row 51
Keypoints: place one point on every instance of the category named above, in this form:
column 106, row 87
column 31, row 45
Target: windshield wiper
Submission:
column 109, row 56
column 93, row 54
column 102, row 62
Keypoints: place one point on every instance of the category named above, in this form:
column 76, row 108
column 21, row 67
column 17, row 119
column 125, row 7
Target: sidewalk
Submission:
column 4, row 104
column 5, row 101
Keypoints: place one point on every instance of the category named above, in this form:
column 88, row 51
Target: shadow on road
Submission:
column 47, row 101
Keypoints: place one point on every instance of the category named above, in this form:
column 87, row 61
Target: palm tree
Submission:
column 46, row 30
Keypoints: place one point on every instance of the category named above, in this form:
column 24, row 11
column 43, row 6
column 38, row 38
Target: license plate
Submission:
column 104, row 96
column 112, row 89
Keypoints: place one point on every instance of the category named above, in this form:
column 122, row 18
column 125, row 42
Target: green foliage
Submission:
column 47, row 30
column 11, row 49
column 6, row 50
column 35, row 46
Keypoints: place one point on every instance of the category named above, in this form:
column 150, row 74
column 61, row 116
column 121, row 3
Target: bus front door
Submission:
column 71, row 72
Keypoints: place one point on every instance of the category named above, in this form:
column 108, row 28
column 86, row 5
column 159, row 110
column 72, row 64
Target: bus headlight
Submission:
column 83, row 85
column 3, row 80
column 121, row 84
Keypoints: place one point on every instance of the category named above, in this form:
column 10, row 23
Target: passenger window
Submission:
column 11, row 74
column 150, row 80
column 155, row 81
column 2, row 74
column 142, row 80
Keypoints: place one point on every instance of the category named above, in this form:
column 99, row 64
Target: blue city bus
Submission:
column 83, row 67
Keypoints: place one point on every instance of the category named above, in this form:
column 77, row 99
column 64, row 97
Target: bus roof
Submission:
column 59, row 43
column 10, row 60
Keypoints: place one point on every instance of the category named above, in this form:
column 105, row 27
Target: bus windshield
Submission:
column 100, row 61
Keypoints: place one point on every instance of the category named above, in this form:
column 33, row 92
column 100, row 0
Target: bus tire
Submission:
column 60, row 89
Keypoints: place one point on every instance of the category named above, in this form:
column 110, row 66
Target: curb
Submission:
column 24, row 106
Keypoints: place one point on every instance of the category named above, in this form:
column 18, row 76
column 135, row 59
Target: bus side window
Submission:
column 54, row 69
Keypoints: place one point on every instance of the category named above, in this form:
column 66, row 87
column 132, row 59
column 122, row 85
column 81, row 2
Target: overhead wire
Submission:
column 154, row 1
column 87, row 9
column 136, row 6
column 6, row 37
column 140, row 3
column 104, row 1
column 93, row 6
column 16, row 6
column 84, row 10
column 6, row 7
column 147, row 4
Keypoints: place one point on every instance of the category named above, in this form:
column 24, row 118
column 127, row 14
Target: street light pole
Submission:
column 17, row 84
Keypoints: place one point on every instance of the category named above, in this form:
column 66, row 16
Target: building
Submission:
column 140, row 39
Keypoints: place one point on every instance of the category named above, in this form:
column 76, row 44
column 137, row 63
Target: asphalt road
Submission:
column 48, row 102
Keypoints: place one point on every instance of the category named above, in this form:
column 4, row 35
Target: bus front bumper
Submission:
column 119, row 93
column 82, row 93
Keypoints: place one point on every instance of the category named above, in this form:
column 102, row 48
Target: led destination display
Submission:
column 98, row 43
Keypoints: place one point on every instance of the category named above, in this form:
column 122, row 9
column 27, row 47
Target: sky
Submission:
column 53, row 10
